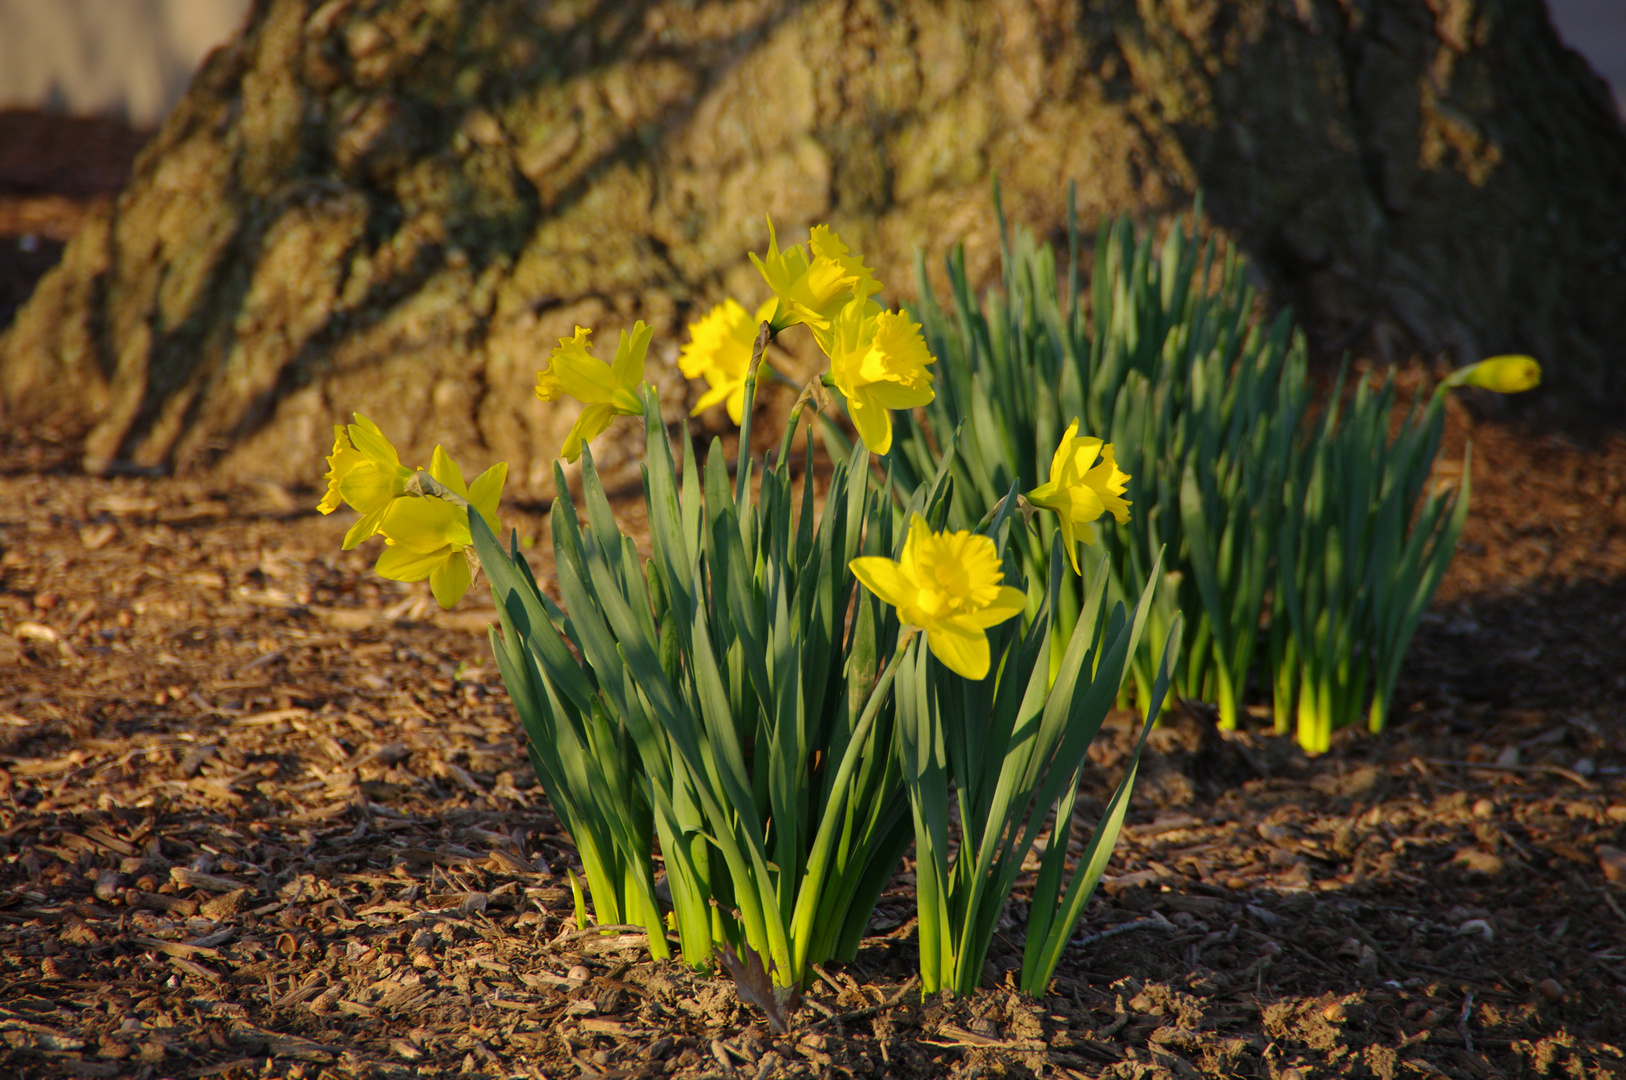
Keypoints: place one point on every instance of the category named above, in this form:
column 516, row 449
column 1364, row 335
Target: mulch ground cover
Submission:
column 265, row 814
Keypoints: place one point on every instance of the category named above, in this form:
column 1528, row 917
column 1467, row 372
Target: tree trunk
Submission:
column 398, row 206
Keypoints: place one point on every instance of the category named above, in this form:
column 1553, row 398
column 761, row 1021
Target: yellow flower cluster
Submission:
column 947, row 584
column 877, row 357
column 424, row 537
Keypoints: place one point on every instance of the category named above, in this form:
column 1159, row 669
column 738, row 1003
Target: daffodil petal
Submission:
column 444, row 469
column 589, row 425
column 873, row 422
column 1006, row 605
column 426, row 524
column 885, row 579
column 891, row 395
column 628, row 369
column 486, row 492
column 371, row 442
column 366, row 528
column 961, row 649
column 451, row 579
column 1058, row 460
column 720, row 391
column 403, row 564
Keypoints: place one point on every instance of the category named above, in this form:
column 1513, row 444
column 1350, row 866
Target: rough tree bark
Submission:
column 397, row 206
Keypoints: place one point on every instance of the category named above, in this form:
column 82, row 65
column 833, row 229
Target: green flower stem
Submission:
column 742, row 469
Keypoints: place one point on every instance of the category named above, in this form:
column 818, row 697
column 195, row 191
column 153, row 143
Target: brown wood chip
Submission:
column 192, row 968
column 174, row 948
column 211, row 882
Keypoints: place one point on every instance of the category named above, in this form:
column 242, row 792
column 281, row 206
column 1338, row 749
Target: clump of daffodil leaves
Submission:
column 1301, row 545
column 760, row 699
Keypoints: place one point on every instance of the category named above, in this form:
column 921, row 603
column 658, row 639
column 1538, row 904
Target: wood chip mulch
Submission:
column 263, row 814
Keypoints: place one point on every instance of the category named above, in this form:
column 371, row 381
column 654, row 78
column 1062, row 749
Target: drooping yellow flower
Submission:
column 719, row 349
column 878, row 360
column 950, row 585
column 606, row 389
column 364, row 471
column 1079, row 490
column 1504, row 374
column 813, row 291
column 427, row 536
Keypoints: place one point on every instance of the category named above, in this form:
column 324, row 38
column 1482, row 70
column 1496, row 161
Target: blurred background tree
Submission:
column 397, row 206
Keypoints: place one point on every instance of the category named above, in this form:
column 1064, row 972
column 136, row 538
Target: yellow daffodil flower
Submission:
column 1504, row 374
column 813, row 291
column 1079, row 490
column 427, row 537
column 606, row 389
column 949, row 585
column 878, row 360
column 364, row 471
column 719, row 349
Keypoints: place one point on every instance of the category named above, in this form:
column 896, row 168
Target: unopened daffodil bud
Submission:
column 1503, row 374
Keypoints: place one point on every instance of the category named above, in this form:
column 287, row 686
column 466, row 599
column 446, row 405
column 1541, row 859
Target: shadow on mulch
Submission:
column 1563, row 648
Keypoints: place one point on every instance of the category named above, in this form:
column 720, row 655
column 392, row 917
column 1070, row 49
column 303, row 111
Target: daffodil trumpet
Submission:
column 365, row 472
column 878, row 361
column 721, row 351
